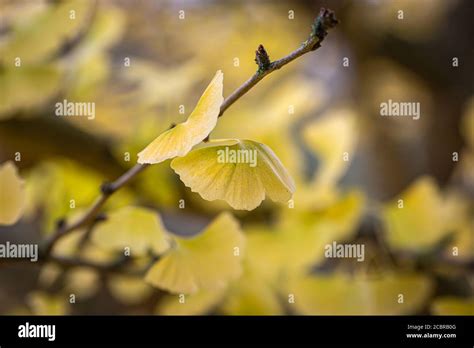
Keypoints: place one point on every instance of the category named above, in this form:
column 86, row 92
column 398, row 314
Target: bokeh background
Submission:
column 145, row 63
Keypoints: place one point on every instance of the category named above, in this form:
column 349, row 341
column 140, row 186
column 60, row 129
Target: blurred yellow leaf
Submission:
column 332, row 139
column 139, row 229
column 83, row 282
column 128, row 290
column 88, row 63
column 306, row 233
column 27, row 87
column 39, row 37
column 462, row 245
column 203, row 262
column 195, row 304
column 420, row 217
column 12, row 194
column 343, row 294
column 453, row 306
column 179, row 140
column 242, row 180
column 41, row 303
column 61, row 188
column 252, row 295
column 157, row 84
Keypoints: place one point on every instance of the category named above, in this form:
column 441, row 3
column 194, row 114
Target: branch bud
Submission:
column 262, row 59
column 325, row 21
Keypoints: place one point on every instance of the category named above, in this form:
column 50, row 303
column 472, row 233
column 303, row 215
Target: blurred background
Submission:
column 145, row 63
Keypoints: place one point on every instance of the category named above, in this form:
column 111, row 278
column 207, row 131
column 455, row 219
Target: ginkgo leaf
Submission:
column 27, row 87
column 344, row 294
column 158, row 84
column 461, row 246
column 420, row 217
column 303, row 235
column 127, row 289
column 199, row 303
column 12, row 194
column 179, row 140
column 81, row 281
column 41, row 303
column 206, row 261
column 139, row 229
column 331, row 138
column 252, row 295
column 453, row 306
column 241, row 172
column 39, row 37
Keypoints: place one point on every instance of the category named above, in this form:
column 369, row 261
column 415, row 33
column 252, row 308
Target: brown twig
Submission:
column 323, row 22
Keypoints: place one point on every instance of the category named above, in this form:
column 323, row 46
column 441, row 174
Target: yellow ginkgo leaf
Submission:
column 42, row 303
column 12, row 194
column 199, row 303
column 252, row 295
column 179, row 140
column 129, row 290
column 158, row 84
column 344, row 294
column 39, row 37
column 453, row 306
column 420, row 217
column 207, row 261
column 82, row 282
column 27, row 87
column 303, row 235
column 461, row 247
column 241, row 172
column 332, row 139
column 139, row 229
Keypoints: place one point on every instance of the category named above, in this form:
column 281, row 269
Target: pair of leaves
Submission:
column 187, row 265
column 240, row 183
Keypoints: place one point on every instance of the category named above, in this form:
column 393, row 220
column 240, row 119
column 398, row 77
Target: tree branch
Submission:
column 325, row 21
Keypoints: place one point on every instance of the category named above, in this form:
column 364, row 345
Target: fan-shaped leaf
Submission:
column 138, row 228
column 206, row 261
column 241, row 172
